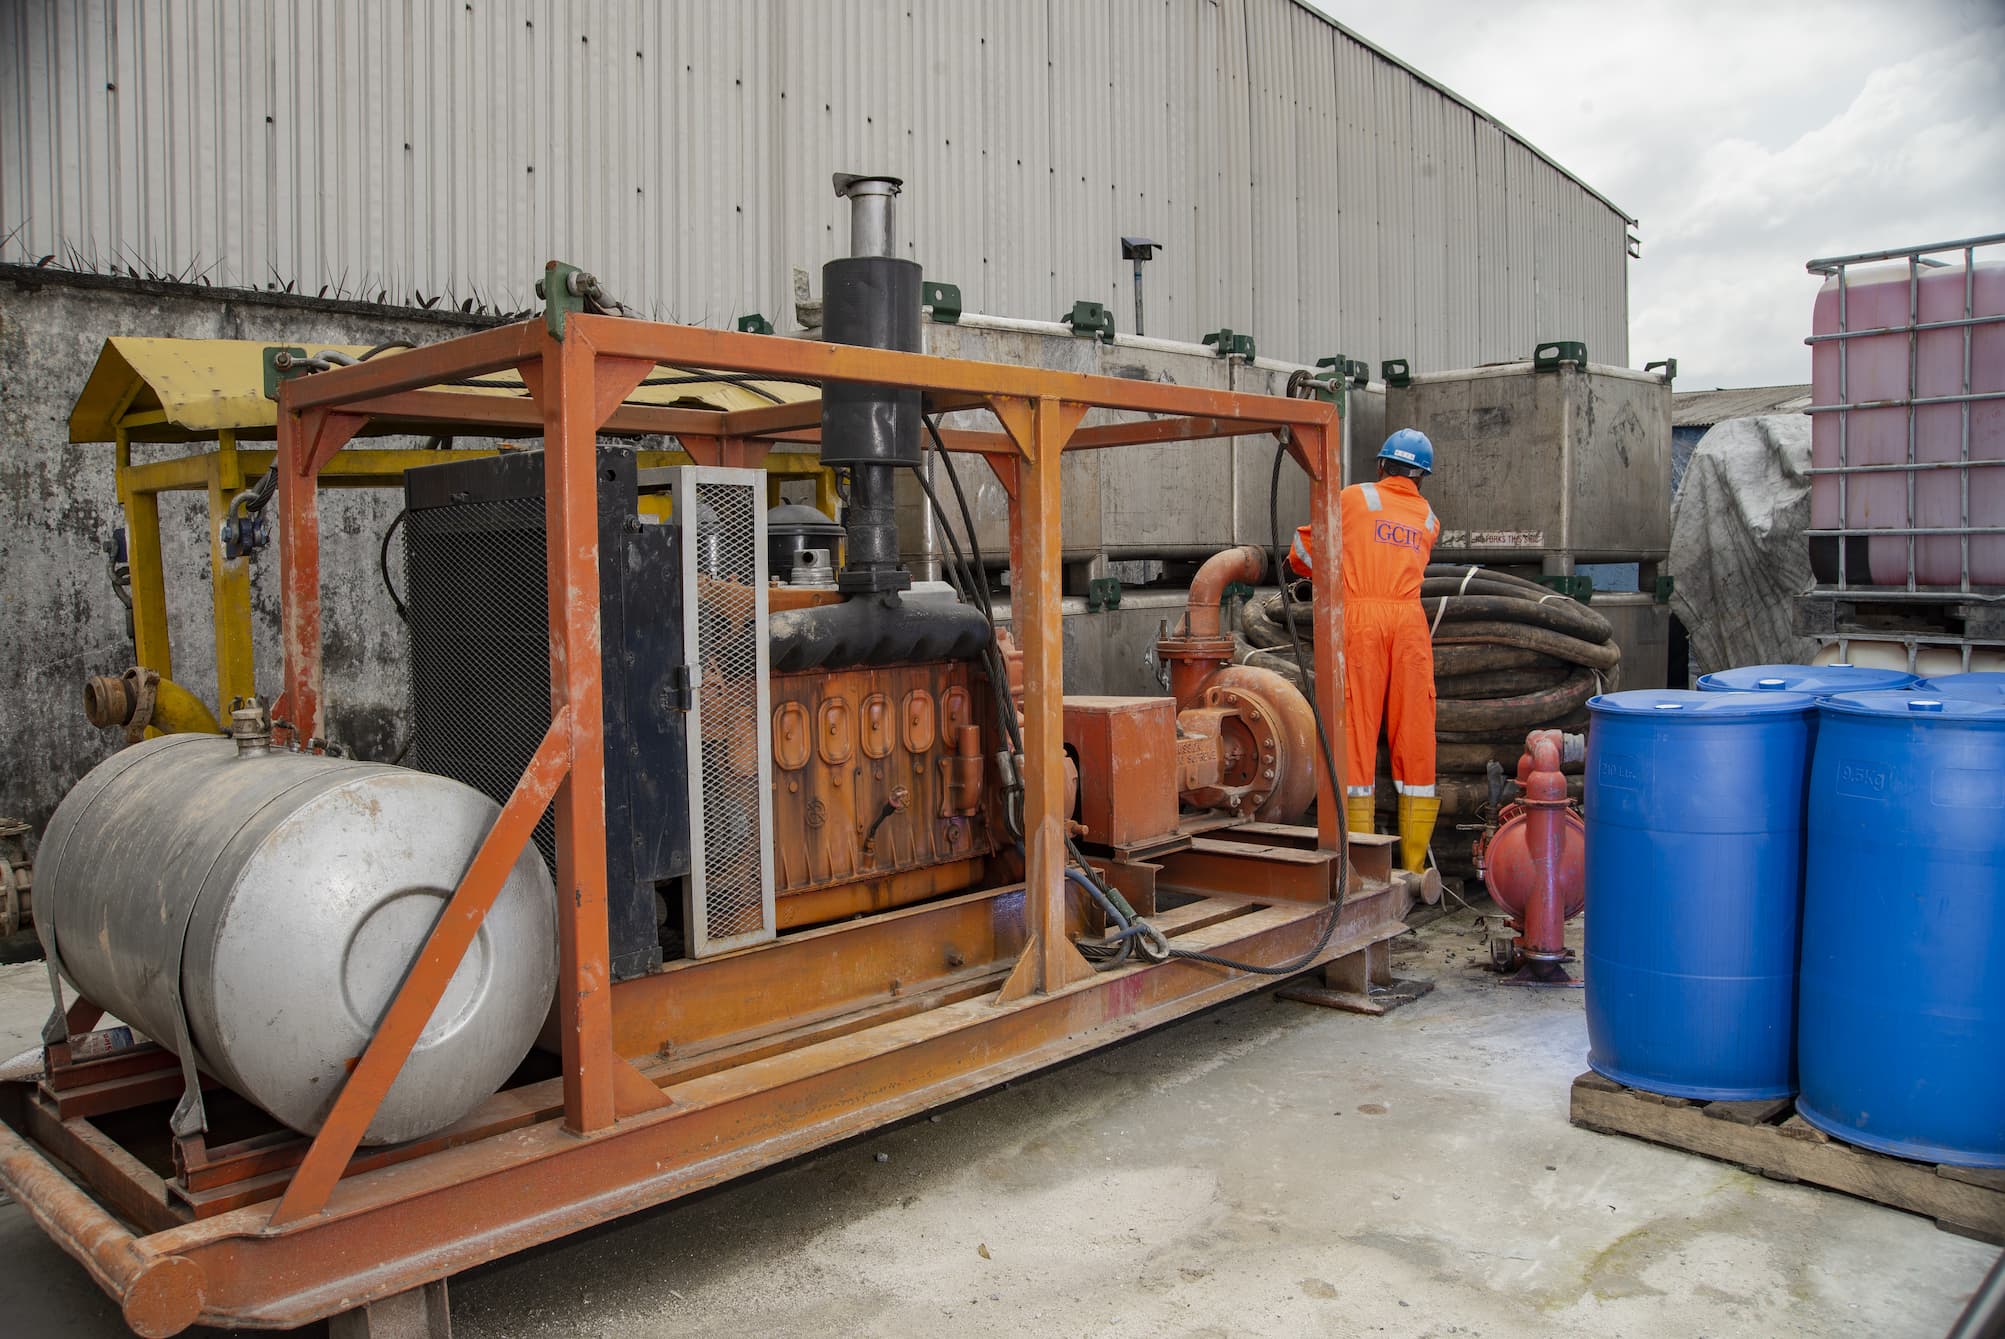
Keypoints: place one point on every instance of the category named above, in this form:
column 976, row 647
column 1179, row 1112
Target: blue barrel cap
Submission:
column 1717, row 705
column 1920, row 705
column 1984, row 685
column 1819, row 679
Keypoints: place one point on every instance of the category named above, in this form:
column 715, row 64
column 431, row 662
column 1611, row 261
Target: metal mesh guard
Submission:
column 480, row 645
column 732, row 851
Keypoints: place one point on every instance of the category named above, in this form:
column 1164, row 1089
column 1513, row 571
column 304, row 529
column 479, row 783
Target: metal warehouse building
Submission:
column 1306, row 186
column 375, row 170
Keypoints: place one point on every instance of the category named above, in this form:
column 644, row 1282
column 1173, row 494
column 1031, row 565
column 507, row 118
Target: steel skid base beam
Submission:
column 389, row 1231
column 627, row 1125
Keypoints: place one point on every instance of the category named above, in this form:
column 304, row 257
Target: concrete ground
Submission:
column 1267, row 1169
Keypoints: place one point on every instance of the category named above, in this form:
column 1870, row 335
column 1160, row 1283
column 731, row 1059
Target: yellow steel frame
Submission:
column 227, row 469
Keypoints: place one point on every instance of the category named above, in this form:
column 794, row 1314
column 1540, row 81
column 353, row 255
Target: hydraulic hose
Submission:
column 1455, row 714
column 1570, row 618
column 1502, row 683
column 1597, row 655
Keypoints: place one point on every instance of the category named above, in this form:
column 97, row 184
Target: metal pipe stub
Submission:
column 873, row 212
column 871, row 300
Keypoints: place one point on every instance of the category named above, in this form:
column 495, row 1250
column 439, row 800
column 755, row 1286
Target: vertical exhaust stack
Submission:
column 871, row 299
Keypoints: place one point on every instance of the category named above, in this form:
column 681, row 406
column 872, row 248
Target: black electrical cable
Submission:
column 385, row 348
column 748, row 380
column 1109, row 897
column 967, row 517
column 961, row 577
column 991, row 657
column 1288, row 607
column 1322, row 738
column 383, row 562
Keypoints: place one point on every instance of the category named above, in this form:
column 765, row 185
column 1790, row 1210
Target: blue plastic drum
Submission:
column 1902, row 1013
column 1817, row 680
column 1694, row 808
column 1983, row 685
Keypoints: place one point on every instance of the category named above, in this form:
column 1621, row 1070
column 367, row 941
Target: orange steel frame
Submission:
column 335, row 1241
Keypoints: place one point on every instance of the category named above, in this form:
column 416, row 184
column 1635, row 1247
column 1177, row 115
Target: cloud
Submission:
column 1747, row 140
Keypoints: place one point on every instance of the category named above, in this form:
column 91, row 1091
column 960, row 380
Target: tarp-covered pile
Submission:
column 1737, row 547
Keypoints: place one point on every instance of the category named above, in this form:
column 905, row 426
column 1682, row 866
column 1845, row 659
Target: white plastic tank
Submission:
column 274, row 901
column 1929, row 661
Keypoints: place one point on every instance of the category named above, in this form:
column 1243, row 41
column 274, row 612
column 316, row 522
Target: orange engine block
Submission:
column 878, row 794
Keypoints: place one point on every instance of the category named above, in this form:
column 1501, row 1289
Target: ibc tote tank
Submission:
column 1694, row 859
column 1902, row 1012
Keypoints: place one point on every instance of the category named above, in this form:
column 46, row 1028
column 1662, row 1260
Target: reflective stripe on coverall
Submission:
column 1388, row 535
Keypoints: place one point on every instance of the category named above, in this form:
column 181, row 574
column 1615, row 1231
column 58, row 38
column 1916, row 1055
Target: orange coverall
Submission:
column 1388, row 535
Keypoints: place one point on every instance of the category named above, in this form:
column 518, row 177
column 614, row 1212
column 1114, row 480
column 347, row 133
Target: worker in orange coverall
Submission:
column 1388, row 534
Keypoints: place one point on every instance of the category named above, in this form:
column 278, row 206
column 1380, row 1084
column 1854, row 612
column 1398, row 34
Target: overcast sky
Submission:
column 1747, row 138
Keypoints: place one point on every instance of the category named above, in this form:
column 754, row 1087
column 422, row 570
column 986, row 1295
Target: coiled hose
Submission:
column 1510, row 656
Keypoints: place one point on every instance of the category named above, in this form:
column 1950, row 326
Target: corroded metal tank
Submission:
column 274, row 900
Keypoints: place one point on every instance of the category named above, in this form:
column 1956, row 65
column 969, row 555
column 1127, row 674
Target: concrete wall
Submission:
column 61, row 622
column 59, row 618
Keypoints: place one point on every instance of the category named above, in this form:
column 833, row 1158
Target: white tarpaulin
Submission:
column 1737, row 546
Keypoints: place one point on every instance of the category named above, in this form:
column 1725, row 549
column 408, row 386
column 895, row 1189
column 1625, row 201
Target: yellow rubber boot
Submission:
column 1416, row 829
column 1359, row 811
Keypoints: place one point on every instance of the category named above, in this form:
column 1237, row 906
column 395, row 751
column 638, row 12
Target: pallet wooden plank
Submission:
column 1749, row 1113
column 1991, row 1178
column 1955, row 1203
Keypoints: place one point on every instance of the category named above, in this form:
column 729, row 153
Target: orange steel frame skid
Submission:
column 622, row 1140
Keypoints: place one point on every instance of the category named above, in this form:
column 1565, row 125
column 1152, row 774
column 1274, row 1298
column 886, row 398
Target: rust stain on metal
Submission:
column 822, row 1033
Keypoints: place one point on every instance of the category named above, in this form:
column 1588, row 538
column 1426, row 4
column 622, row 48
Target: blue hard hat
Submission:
column 1409, row 446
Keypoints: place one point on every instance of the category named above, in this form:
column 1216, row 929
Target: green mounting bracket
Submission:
column 1548, row 356
column 1665, row 586
column 558, row 299
column 1575, row 587
column 1396, row 372
column 1354, row 371
column 1093, row 319
column 755, row 324
column 1234, row 590
column 274, row 374
column 1670, row 366
column 1103, row 593
column 941, row 300
column 1227, row 343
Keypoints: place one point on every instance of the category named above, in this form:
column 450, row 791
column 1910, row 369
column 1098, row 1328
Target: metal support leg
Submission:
column 1360, row 983
column 421, row 1313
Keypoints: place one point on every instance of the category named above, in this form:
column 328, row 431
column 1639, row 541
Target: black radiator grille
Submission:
column 480, row 644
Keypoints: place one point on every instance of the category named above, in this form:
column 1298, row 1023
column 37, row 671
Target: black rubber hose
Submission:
column 1479, row 658
column 1558, row 613
column 383, row 563
column 1512, row 736
column 1459, row 570
column 1307, row 959
column 1599, row 655
column 1501, row 683
column 1528, row 709
column 1480, row 584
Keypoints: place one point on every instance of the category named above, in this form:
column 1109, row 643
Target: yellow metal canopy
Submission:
column 180, row 390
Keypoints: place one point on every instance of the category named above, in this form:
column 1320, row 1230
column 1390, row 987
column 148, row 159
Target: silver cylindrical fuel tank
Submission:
column 282, row 896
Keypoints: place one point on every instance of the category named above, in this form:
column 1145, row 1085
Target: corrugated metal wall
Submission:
column 1305, row 188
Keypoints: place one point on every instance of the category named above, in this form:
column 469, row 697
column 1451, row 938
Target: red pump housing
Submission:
column 1535, row 865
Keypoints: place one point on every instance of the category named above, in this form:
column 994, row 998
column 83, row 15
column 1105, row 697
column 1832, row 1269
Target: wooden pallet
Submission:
column 1769, row 1138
